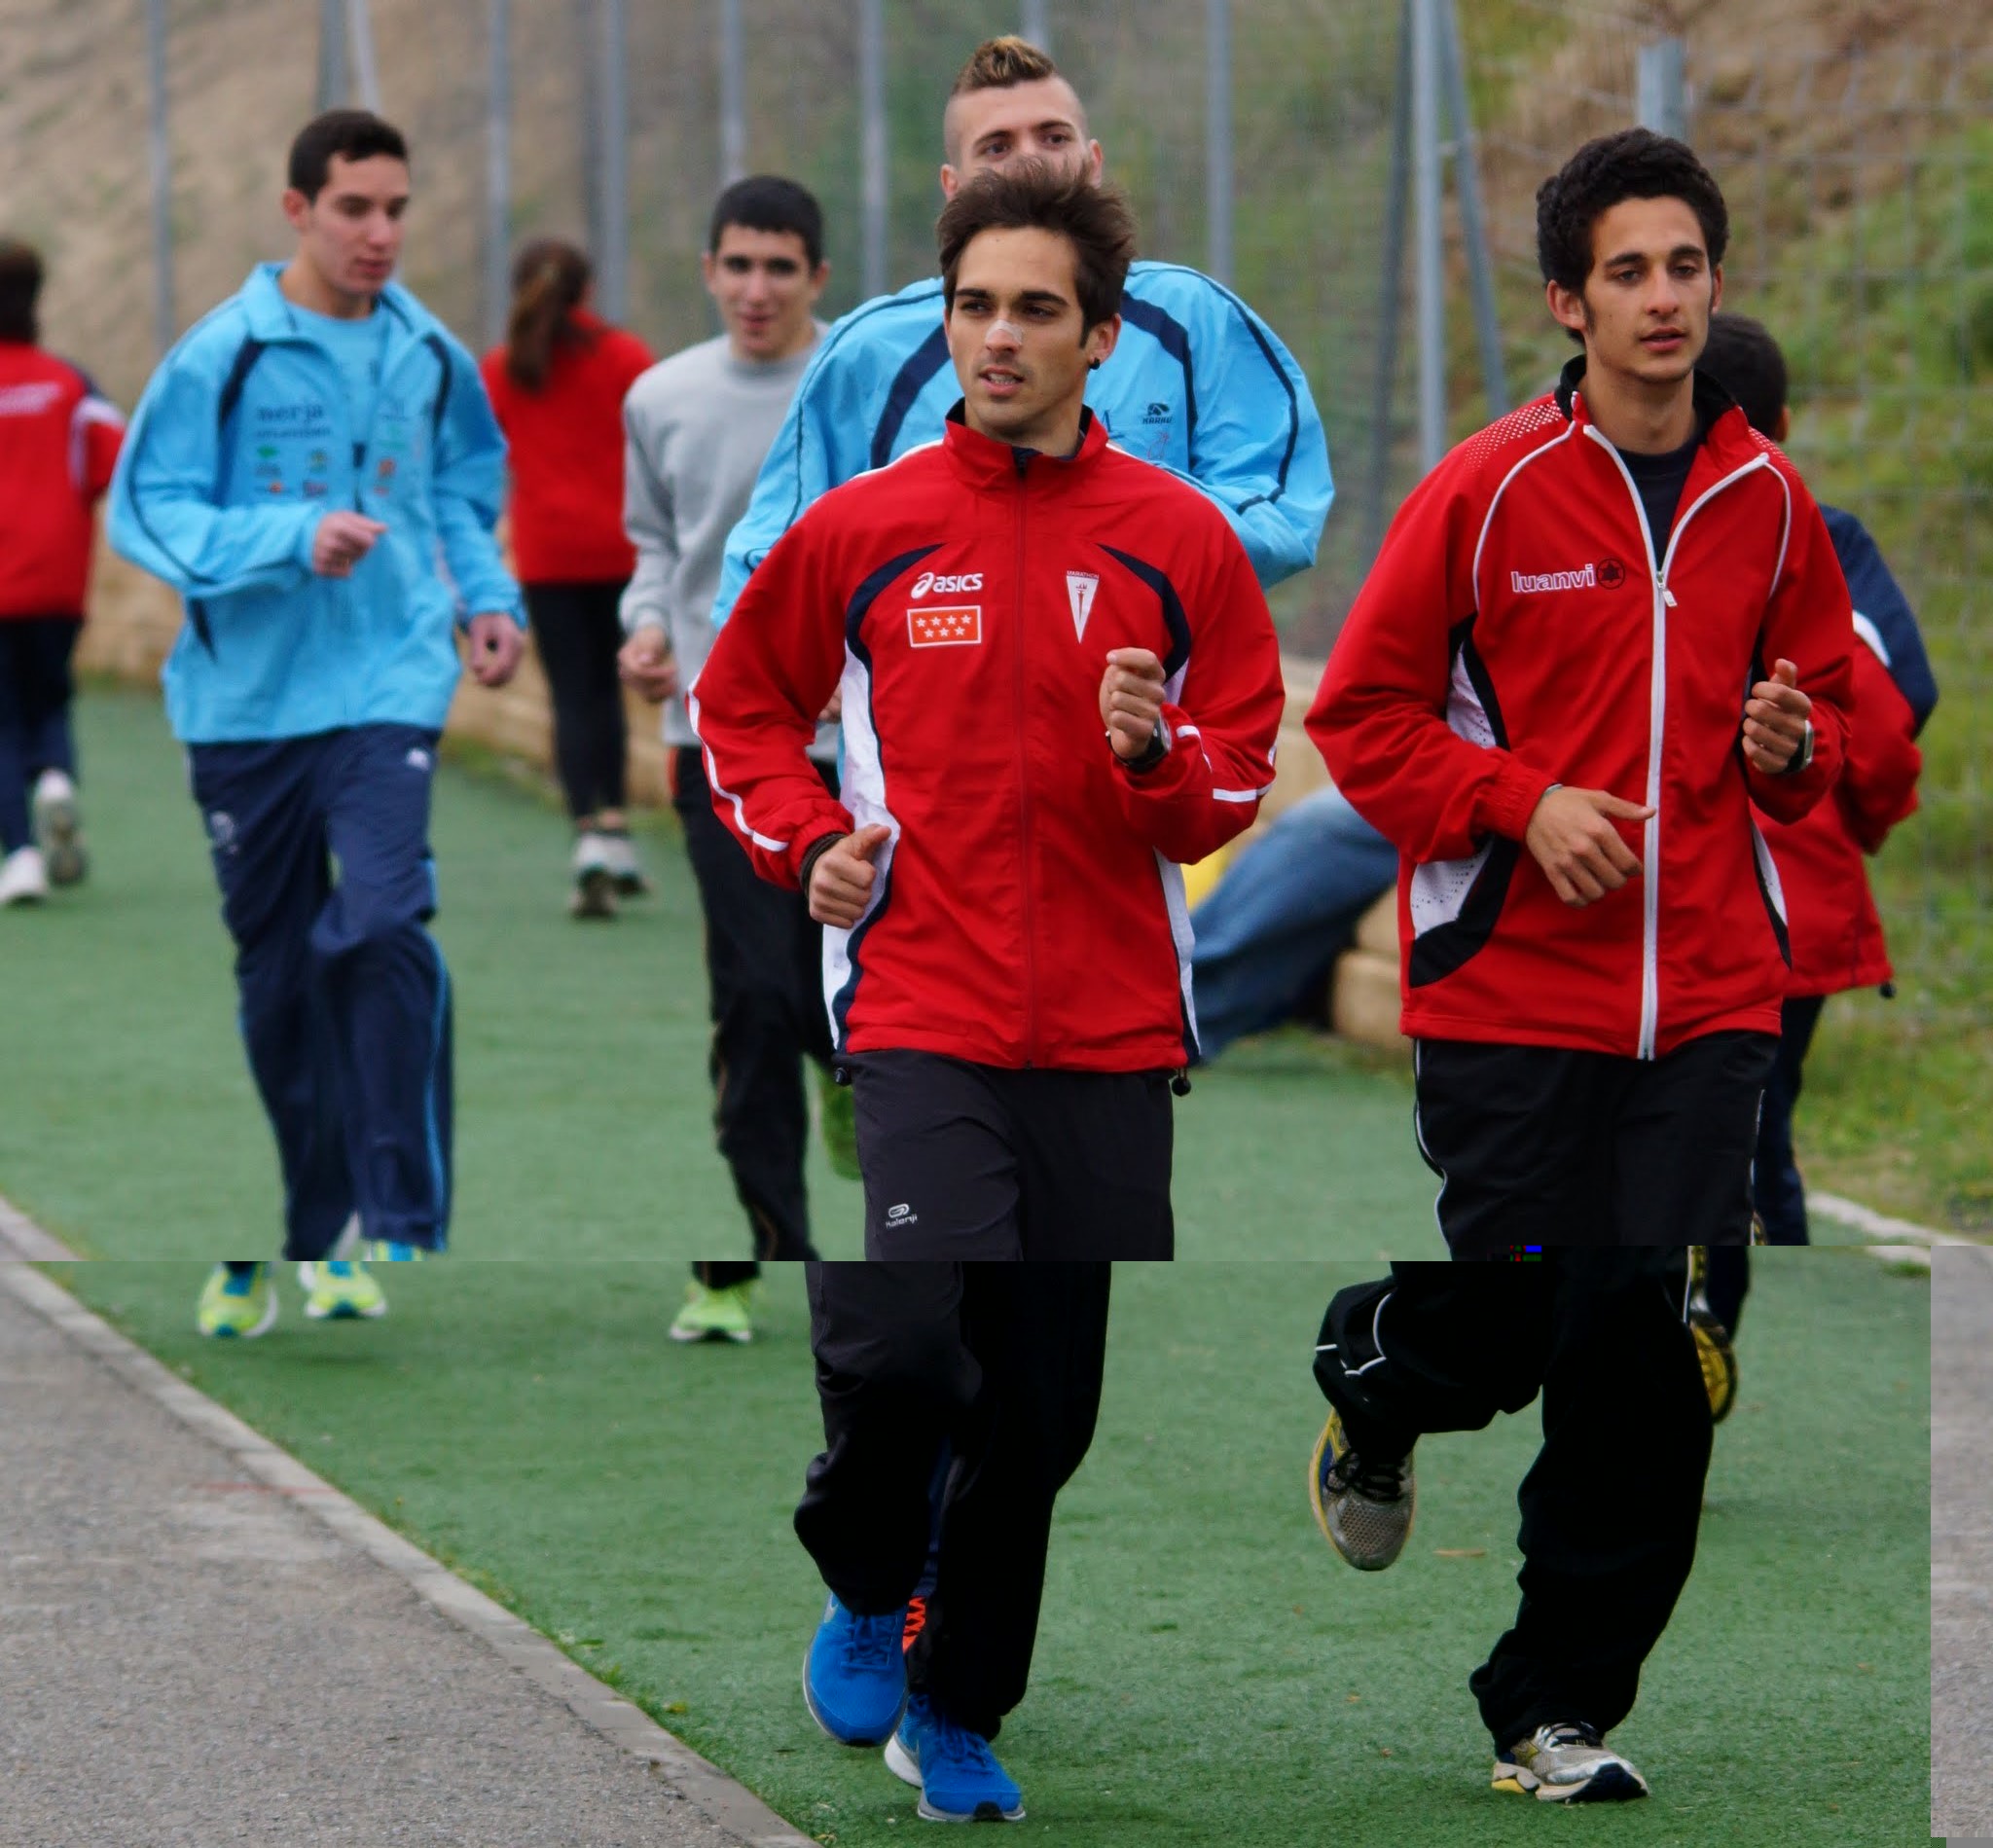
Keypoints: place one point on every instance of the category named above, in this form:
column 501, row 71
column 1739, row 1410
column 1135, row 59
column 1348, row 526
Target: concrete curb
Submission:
column 729, row 1806
column 21, row 1238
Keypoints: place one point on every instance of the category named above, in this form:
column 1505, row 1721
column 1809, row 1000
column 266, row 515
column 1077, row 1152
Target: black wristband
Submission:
column 817, row 849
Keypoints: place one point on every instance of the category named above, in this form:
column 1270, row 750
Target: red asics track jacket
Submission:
column 1521, row 628
column 1029, row 910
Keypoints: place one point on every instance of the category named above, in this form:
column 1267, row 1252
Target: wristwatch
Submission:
column 1801, row 758
column 1158, row 749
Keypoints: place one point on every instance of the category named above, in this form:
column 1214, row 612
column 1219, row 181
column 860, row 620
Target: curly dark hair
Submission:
column 1634, row 164
column 1031, row 196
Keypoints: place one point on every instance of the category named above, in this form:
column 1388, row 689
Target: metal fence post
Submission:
column 163, row 320
column 1037, row 28
column 1429, row 232
column 360, row 36
column 1660, row 89
column 334, row 85
column 732, row 95
column 1217, row 138
column 871, row 129
column 498, row 169
column 1397, row 185
column 1473, row 229
column 612, row 256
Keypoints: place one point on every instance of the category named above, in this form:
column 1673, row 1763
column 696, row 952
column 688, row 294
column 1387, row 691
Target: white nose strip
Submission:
column 1004, row 327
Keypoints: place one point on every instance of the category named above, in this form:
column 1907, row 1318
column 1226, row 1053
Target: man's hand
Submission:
column 833, row 713
column 496, row 644
column 1775, row 719
column 1131, row 699
column 841, row 881
column 646, row 662
column 1574, row 841
column 341, row 542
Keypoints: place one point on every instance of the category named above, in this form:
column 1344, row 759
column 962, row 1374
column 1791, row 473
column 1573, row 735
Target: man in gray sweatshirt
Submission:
column 698, row 427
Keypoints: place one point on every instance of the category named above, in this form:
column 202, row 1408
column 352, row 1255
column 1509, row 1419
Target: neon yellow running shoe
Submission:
column 238, row 1305
column 839, row 1122
column 340, row 1289
column 716, row 1315
column 393, row 1251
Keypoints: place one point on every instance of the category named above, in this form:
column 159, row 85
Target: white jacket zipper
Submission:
column 1658, row 714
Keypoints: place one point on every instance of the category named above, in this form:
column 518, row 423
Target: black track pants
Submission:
column 1610, row 1507
column 1002, row 1362
column 579, row 632
column 1541, row 1145
column 968, row 1161
column 764, row 967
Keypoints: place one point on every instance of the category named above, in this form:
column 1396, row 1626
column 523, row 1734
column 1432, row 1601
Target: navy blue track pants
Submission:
column 321, row 846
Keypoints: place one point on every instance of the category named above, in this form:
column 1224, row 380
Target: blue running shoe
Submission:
column 960, row 1778
column 855, row 1678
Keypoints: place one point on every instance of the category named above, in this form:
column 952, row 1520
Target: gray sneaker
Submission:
column 59, row 828
column 1568, row 1763
column 1364, row 1505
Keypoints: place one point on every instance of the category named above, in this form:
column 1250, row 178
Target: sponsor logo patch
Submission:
column 963, row 585
column 945, row 627
column 1609, row 575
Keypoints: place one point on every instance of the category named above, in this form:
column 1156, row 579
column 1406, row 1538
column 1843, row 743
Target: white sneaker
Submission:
column 23, row 879
column 594, row 881
column 59, row 828
column 619, row 855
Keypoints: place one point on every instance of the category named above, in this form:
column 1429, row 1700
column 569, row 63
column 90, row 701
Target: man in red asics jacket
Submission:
column 1008, row 964
column 1597, row 633
column 1059, row 679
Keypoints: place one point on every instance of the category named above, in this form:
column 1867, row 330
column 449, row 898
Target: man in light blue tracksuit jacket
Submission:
column 1199, row 383
column 316, row 470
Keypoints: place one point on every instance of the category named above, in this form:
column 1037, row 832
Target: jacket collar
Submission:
column 1722, row 426
column 271, row 316
column 988, row 462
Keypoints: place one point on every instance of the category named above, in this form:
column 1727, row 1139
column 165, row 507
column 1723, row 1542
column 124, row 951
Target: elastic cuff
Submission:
column 814, row 852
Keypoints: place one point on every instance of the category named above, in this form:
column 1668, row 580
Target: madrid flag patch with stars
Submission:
column 956, row 628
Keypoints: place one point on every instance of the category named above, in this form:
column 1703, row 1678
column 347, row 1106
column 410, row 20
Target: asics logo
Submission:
column 928, row 584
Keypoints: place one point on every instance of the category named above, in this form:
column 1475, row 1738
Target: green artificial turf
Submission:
column 128, row 1127
column 1207, row 1672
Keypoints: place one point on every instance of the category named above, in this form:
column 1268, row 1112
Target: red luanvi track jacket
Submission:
column 1029, row 910
column 1521, row 628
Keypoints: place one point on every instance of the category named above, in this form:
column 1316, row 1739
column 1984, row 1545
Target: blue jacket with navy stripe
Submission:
column 1199, row 385
column 239, row 447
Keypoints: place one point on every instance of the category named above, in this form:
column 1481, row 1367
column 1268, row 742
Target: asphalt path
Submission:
column 193, row 1652
column 1962, row 1542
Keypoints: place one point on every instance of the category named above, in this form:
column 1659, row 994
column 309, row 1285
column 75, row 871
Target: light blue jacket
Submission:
column 239, row 447
column 1198, row 383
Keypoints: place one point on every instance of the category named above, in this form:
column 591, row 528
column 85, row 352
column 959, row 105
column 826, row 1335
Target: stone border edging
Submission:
column 729, row 1806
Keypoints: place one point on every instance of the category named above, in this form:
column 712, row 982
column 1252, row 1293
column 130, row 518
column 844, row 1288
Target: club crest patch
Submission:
column 1080, row 587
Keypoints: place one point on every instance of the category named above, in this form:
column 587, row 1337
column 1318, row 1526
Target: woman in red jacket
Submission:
column 558, row 385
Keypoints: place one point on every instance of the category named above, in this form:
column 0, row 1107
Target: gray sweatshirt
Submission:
column 697, row 428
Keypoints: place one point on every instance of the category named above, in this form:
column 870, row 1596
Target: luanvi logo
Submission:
column 930, row 585
column 1587, row 577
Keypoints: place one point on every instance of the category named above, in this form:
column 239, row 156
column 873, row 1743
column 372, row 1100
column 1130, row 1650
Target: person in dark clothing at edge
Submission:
column 1836, row 932
column 1003, row 899
column 557, row 387
column 1597, row 631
